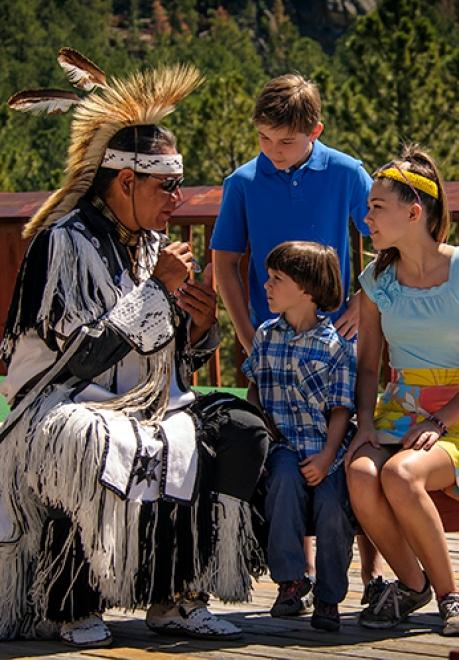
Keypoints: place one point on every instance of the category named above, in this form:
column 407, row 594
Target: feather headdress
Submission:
column 81, row 72
column 143, row 98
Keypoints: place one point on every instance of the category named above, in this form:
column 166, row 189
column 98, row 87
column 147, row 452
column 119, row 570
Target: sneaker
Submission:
column 86, row 633
column 294, row 597
column 394, row 604
column 325, row 616
column 190, row 618
column 373, row 590
column 449, row 612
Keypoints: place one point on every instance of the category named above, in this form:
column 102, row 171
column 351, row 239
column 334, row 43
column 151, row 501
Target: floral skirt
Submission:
column 410, row 398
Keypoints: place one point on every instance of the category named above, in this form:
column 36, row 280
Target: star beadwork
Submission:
column 146, row 470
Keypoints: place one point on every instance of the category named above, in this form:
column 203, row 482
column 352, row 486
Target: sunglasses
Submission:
column 170, row 184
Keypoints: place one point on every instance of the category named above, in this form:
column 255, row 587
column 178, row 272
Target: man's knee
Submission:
column 244, row 434
column 241, row 450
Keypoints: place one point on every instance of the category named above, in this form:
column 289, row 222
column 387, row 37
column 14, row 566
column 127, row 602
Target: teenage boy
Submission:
column 297, row 188
column 302, row 375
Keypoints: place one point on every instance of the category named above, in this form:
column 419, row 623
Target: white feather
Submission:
column 50, row 106
column 78, row 77
column 41, row 101
column 80, row 71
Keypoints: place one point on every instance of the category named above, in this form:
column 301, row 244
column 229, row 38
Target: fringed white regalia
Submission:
column 129, row 474
column 100, row 461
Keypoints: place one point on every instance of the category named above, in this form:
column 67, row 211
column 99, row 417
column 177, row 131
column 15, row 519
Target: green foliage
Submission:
column 396, row 82
column 26, row 160
column 283, row 48
column 220, row 136
column 213, row 126
column 32, row 149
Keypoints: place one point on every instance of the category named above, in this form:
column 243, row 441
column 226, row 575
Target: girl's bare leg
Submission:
column 309, row 555
column 376, row 517
column 406, row 477
column 371, row 561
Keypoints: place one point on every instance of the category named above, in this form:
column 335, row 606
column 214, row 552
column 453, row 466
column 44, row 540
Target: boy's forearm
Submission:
column 233, row 295
column 337, row 428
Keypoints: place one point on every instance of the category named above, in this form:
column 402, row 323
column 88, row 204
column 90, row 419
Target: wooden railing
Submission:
column 199, row 209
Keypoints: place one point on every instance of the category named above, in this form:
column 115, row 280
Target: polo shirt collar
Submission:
column 266, row 165
column 318, row 160
column 321, row 331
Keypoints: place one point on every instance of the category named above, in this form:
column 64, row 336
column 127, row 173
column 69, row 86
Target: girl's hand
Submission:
column 364, row 435
column 421, row 436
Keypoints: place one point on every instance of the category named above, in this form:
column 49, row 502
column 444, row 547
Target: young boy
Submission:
column 297, row 188
column 302, row 375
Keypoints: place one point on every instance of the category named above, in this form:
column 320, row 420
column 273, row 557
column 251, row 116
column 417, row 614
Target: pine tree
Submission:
column 218, row 135
column 32, row 149
column 282, row 47
column 397, row 82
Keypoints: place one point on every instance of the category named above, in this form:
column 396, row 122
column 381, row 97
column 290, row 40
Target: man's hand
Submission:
column 315, row 468
column 174, row 265
column 199, row 301
column 348, row 323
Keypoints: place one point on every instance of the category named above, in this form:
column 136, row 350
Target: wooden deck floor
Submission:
column 265, row 637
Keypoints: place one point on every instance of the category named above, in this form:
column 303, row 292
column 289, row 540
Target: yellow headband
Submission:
column 417, row 180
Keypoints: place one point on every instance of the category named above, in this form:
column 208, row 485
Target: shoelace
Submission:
column 449, row 606
column 391, row 597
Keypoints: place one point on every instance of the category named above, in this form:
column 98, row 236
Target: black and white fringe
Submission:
column 52, row 459
column 227, row 575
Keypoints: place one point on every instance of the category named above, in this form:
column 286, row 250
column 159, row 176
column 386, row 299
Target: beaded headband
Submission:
column 410, row 178
column 143, row 163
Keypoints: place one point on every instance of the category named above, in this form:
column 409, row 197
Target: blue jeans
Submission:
column 289, row 502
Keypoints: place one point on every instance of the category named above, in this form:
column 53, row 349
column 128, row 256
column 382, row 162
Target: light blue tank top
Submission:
column 421, row 326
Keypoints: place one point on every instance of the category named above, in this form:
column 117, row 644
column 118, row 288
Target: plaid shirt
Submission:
column 300, row 378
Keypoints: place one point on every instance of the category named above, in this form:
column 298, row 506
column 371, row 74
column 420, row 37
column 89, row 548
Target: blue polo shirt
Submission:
column 263, row 206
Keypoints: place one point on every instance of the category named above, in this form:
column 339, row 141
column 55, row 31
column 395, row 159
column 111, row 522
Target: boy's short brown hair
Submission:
column 289, row 100
column 314, row 267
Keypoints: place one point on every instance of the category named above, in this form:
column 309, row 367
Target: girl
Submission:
column 410, row 298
